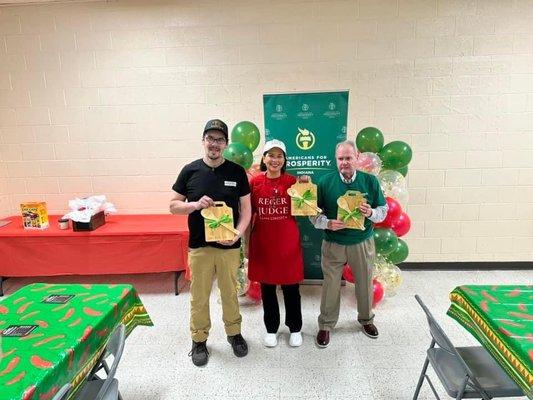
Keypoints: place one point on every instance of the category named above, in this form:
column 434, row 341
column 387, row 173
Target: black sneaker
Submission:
column 240, row 348
column 199, row 353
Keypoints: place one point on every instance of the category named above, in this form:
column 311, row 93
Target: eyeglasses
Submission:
column 213, row 140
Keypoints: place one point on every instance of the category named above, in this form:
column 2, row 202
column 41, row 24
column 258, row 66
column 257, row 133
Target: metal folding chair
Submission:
column 63, row 393
column 465, row 372
column 106, row 389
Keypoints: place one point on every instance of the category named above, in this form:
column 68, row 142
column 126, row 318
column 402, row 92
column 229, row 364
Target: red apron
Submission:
column 275, row 253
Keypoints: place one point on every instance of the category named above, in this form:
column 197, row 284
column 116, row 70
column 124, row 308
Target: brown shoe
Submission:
column 322, row 338
column 371, row 331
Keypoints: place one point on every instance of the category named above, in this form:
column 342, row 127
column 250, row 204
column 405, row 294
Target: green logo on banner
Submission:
column 305, row 139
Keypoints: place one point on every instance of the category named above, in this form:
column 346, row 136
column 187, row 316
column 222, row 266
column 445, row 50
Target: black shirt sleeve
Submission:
column 180, row 186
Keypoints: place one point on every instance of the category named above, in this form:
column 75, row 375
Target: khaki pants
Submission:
column 360, row 257
column 205, row 263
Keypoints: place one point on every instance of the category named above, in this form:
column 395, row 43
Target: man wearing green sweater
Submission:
column 342, row 245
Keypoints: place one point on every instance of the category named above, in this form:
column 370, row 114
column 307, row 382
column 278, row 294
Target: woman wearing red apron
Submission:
column 275, row 254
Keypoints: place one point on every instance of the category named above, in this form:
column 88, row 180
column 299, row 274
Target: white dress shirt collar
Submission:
column 348, row 181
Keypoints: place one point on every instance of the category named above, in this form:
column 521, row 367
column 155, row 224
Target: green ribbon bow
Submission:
column 215, row 223
column 307, row 196
column 345, row 215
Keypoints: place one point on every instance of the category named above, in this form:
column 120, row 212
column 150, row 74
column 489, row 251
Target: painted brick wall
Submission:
column 111, row 98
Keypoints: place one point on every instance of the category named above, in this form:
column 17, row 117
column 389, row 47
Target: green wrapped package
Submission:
column 52, row 334
column 501, row 319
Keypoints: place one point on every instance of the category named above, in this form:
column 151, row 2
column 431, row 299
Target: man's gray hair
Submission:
column 346, row 143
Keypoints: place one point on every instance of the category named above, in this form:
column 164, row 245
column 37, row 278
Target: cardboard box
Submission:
column 218, row 222
column 348, row 209
column 34, row 215
column 303, row 199
column 96, row 221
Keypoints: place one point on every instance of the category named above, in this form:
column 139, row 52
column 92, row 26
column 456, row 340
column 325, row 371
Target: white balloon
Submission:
column 394, row 185
column 402, row 195
column 368, row 162
column 388, row 274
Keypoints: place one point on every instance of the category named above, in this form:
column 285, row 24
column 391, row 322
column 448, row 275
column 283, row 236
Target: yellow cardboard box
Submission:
column 303, row 199
column 34, row 215
column 348, row 209
column 218, row 222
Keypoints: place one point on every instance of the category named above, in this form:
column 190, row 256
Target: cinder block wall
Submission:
column 111, row 98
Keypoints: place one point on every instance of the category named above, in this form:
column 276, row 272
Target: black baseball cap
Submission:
column 217, row 125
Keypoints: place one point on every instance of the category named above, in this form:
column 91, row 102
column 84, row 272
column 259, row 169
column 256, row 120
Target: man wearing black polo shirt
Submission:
column 199, row 184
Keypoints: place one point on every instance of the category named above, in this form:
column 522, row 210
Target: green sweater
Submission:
column 331, row 187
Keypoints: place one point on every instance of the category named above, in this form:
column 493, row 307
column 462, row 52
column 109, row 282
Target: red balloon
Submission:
column 394, row 211
column 401, row 225
column 377, row 289
column 254, row 170
column 249, row 176
column 254, row 291
column 395, row 208
column 378, row 292
column 348, row 274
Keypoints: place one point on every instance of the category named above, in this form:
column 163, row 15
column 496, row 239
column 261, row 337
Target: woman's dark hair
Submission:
column 263, row 167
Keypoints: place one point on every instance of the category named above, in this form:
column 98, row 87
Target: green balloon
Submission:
column 395, row 155
column 385, row 240
column 247, row 133
column 403, row 170
column 369, row 139
column 399, row 254
column 239, row 154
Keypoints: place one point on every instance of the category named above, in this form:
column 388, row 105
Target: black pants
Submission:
column 293, row 309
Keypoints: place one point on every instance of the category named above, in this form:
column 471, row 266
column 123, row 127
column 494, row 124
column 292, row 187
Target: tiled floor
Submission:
column 155, row 364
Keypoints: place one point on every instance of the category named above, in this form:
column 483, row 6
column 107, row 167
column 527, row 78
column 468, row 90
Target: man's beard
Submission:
column 212, row 155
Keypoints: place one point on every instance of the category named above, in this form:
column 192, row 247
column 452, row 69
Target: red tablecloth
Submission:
column 125, row 244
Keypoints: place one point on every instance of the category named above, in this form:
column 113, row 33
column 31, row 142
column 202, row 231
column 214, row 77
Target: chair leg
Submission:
column 432, row 387
column 177, row 275
column 421, row 379
column 105, row 366
column 2, row 280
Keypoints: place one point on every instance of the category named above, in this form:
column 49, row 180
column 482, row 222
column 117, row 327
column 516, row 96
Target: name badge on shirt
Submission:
column 230, row 183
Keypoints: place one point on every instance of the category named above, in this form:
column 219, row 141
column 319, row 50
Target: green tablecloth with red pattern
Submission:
column 501, row 319
column 68, row 339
